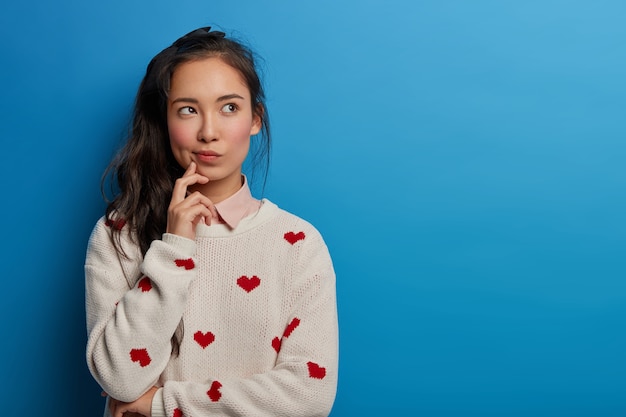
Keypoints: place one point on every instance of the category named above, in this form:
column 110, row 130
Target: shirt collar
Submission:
column 238, row 206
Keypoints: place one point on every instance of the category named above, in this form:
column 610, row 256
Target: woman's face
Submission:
column 210, row 120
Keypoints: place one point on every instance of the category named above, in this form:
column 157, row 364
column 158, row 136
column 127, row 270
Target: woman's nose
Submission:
column 208, row 129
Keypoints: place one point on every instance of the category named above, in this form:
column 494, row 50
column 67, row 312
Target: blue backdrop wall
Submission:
column 463, row 159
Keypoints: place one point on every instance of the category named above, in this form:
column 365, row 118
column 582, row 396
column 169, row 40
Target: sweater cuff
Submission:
column 158, row 407
column 188, row 246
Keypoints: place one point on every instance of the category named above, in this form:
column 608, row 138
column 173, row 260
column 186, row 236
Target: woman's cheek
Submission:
column 179, row 135
column 242, row 132
column 180, row 143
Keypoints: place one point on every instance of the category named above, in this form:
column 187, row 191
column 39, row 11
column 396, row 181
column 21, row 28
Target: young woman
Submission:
column 202, row 300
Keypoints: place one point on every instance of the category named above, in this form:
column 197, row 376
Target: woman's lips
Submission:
column 207, row 156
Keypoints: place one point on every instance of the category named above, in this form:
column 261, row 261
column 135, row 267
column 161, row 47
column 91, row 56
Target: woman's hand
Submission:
column 142, row 407
column 185, row 211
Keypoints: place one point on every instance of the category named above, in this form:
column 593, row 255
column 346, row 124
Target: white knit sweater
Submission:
column 258, row 310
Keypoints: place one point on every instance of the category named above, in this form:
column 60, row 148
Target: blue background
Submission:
column 463, row 159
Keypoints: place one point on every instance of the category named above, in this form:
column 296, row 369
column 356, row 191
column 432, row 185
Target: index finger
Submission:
column 190, row 177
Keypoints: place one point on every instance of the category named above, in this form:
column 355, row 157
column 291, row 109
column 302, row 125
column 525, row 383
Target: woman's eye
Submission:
column 186, row 110
column 229, row 108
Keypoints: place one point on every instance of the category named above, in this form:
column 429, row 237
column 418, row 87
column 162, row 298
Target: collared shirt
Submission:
column 237, row 207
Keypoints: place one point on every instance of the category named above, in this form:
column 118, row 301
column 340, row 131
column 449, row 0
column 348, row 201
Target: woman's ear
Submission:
column 257, row 119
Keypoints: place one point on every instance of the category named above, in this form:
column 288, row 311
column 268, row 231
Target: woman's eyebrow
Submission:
column 229, row 97
column 185, row 100
column 218, row 100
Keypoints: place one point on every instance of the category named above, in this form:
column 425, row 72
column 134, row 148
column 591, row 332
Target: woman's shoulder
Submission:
column 300, row 238
column 296, row 227
column 107, row 224
column 108, row 229
column 283, row 214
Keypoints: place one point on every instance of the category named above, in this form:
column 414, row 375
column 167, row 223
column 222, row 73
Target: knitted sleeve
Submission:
column 133, row 308
column 303, row 381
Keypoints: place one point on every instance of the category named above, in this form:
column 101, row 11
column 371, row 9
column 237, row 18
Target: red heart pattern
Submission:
column 115, row 224
column 141, row 356
column 291, row 326
column 203, row 339
column 177, row 413
column 145, row 284
column 276, row 344
column 214, row 392
column 185, row 263
column 248, row 284
column 316, row 371
column 292, row 237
